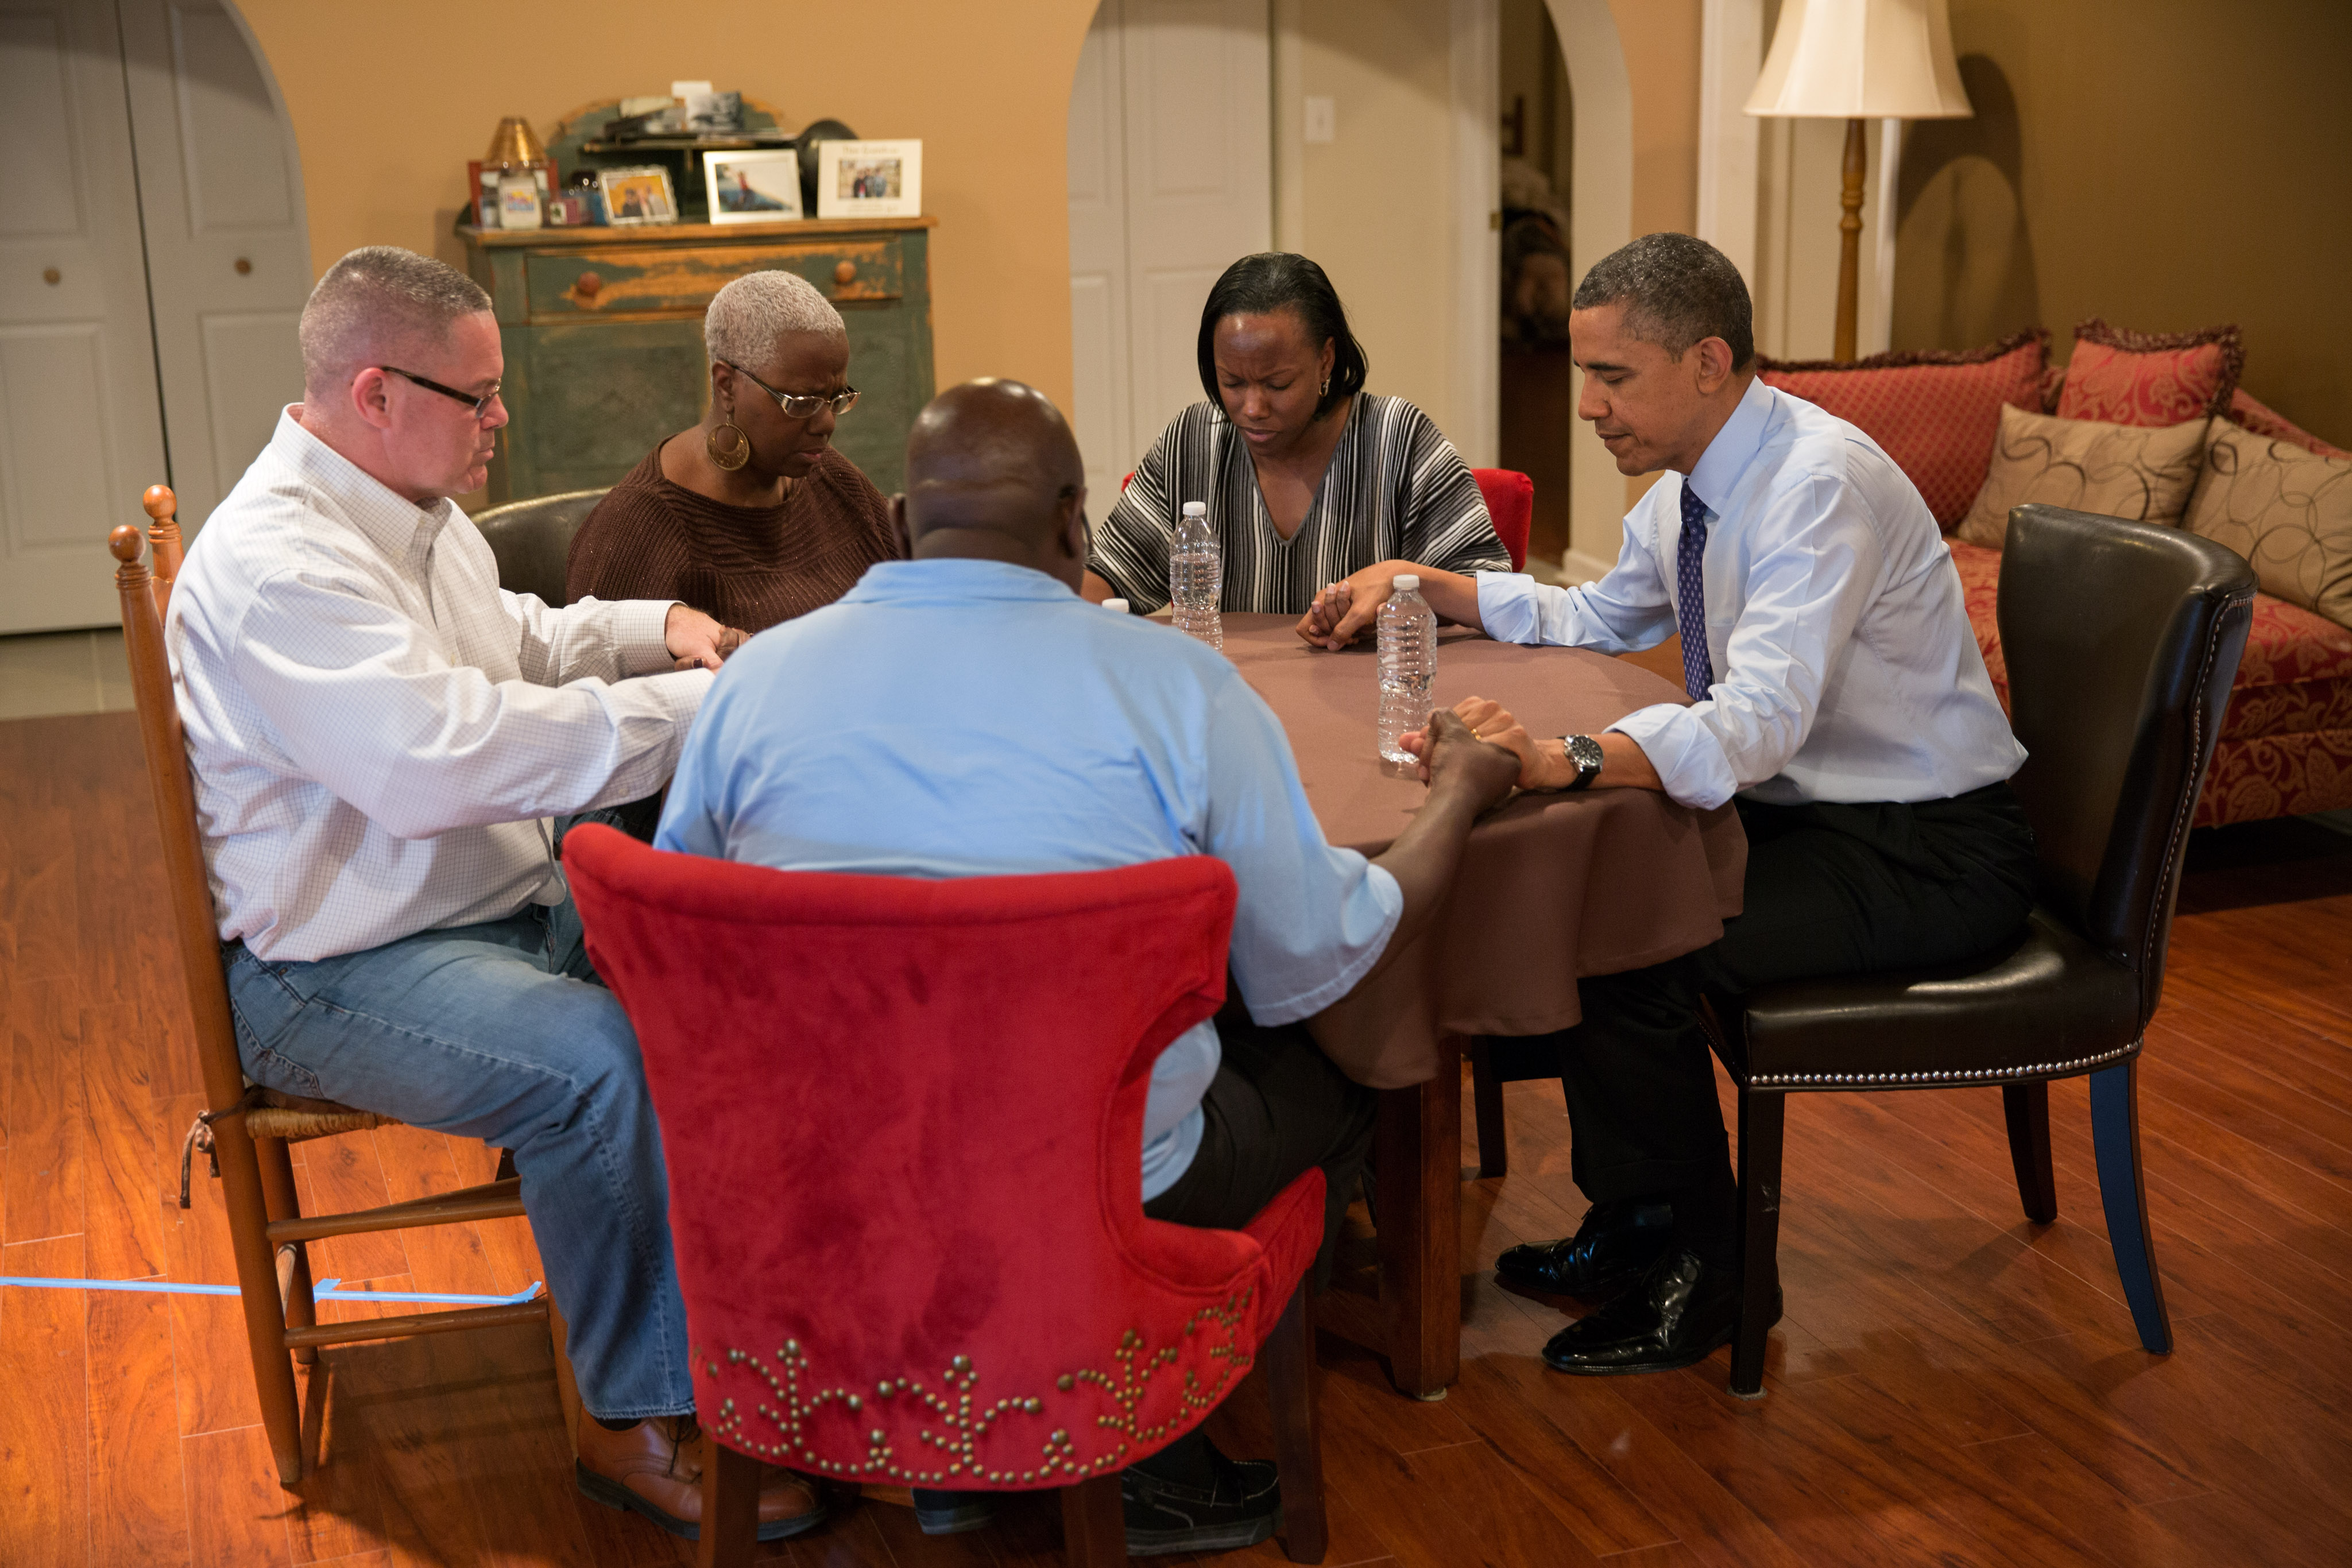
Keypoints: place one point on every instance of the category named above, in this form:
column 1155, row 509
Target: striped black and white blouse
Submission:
column 1396, row 490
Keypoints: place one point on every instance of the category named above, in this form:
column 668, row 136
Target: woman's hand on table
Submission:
column 1344, row 610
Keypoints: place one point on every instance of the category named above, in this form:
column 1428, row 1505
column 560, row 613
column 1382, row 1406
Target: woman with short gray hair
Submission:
column 751, row 517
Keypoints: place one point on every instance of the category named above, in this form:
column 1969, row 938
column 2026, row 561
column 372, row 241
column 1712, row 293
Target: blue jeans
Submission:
column 498, row 1031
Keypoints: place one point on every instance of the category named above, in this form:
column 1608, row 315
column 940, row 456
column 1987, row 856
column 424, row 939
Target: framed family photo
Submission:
column 752, row 187
column 869, row 178
column 639, row 195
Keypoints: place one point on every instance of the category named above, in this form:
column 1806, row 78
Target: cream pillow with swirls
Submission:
column 2142, row 474
column 2288, row 510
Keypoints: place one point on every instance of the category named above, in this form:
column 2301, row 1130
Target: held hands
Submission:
column 1491, row 722
column 1342, row 612
column 696, row 640
column 1453, row 757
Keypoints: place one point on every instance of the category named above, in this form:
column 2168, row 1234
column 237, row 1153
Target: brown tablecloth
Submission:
column 1552, row 886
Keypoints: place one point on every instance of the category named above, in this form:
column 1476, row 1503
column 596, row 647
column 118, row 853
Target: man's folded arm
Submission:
column 370, row 710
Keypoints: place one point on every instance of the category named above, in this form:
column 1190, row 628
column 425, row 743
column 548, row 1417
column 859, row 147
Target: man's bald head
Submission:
column 994, row 455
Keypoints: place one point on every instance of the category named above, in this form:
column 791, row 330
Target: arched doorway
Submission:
column 153, row 263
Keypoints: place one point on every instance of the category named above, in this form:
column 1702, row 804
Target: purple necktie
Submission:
column 1690, row 598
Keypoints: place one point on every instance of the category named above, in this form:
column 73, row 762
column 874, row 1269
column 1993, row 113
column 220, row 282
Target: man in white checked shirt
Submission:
column 380, row 736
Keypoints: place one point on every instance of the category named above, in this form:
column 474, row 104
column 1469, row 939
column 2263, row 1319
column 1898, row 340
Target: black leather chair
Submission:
column 532, row 540
column 2122, row 641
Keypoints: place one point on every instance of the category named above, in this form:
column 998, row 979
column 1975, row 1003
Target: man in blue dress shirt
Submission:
column 966, row 714
column 1837, row 697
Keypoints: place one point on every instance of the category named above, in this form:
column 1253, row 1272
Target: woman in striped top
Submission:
column 1308, row 478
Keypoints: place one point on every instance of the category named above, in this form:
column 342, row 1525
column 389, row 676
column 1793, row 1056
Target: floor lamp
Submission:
column 1857, row 60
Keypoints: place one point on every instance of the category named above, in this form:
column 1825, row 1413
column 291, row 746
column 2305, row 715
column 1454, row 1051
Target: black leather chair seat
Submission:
column 2051, row 1005
column 532, row 540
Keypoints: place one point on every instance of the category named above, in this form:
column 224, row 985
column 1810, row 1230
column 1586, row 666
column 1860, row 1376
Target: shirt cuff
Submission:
column 1689, row 758
column 640, row 643
column 1507, row 607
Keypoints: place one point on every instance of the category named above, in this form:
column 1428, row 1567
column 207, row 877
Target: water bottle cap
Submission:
column 1407, row 582
column 1196, row 508
column 1116, row 606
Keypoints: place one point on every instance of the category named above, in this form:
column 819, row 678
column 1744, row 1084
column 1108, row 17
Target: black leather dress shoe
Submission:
column 1680, row 1312
column 1616, row 1242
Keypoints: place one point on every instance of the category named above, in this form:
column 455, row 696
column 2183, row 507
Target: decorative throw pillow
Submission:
column 1933, row 411
column 2121, row 471
column 2265, row 420
column 2286, row 510
column 2149, row 378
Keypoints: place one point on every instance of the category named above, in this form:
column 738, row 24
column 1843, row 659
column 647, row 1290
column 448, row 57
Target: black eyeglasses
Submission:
column 799, row 405
column 476, row 404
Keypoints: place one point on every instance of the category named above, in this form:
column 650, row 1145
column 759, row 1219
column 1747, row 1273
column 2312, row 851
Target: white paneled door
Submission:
column 228, row 257
column 1171, row 157
column 81, row 433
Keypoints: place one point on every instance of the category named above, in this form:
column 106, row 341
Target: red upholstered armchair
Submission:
column 1511, row 502
column 903, row 1120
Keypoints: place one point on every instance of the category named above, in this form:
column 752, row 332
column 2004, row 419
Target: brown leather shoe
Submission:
column 655, row 1468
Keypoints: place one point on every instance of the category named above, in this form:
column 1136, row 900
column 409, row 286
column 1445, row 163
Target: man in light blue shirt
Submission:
column 966, row 714
column 1837, row 695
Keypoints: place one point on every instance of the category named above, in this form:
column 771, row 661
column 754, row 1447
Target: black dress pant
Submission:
column 1276, row 1106
column 1831, row 890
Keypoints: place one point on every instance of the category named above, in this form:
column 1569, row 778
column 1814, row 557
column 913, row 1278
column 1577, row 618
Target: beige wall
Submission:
column 2166, row 164
column 1661, row 42
column 389, row 102
column 1373, row 204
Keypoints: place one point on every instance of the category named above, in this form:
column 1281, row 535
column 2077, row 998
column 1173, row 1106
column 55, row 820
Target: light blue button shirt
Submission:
column 971, row 718
column 1845, row 669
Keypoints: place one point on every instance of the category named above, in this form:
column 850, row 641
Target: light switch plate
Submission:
column 1322, row 120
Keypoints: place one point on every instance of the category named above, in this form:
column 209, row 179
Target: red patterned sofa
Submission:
column 2286, row 739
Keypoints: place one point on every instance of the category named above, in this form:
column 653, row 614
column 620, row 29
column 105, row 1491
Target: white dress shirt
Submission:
column 376, row 728
column 1844, row 667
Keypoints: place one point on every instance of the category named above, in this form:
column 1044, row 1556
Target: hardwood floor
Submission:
column 1951, row 1383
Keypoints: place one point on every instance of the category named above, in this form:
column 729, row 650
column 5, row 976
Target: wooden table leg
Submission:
column 1416, row 1160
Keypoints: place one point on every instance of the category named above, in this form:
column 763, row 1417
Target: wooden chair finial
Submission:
column 159, row 502
column 126, row 541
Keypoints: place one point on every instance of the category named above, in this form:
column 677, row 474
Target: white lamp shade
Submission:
column 1862, row 59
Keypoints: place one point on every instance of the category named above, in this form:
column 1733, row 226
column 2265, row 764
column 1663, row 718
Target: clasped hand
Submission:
column 1342, row 611
column 696, row 640
column 1490, row 722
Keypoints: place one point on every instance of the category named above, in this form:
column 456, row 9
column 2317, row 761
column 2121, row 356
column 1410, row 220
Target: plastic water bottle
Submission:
column 1408, row 647
column 1196, row 577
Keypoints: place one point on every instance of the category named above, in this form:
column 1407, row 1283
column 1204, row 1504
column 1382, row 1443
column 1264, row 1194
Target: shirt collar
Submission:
column 954, row 578
column 393, row 524
column 1720, row 465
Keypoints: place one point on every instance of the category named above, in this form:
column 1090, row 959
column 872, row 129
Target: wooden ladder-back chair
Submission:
column 247, row 1126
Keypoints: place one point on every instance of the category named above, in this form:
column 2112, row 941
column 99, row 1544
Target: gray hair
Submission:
column 377, row 296
column 750, row 316
column 1676, row 290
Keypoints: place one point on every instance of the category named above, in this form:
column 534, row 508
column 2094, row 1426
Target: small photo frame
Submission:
column 637, row 195
column 482, row 187
column 869, row 178
column 752, row 187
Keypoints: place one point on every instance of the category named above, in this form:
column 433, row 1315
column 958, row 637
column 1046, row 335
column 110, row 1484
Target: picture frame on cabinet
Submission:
column 752, row 187
column 639, row 194
column 869, row 178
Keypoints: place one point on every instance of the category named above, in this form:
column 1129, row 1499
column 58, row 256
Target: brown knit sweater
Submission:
column 750, row 566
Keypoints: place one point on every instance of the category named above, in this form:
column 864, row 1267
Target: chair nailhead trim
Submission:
column 1965, row 1075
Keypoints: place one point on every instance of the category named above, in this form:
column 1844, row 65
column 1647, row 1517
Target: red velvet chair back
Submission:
column 1511, row 502
column 903, row 1122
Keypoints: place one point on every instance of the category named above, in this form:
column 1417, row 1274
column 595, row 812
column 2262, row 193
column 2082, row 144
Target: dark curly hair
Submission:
column 1282, row 280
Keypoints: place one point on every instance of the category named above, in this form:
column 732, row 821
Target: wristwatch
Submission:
column 1585, row 753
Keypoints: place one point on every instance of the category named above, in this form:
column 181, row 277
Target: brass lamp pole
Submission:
column 1858, row 60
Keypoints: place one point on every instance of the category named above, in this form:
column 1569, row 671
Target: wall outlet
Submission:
column 1322, row 120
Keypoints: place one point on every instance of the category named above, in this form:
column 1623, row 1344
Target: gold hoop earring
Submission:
column 735, row 453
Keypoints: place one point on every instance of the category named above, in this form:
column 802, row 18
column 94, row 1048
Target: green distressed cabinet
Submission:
column 602, row 334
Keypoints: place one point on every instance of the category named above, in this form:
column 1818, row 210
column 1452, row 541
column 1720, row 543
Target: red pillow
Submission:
column 2150, row 378
column 1934, row 411
column 2249, row 415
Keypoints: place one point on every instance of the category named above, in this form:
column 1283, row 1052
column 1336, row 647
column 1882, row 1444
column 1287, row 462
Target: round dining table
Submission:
column 1551, row 886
